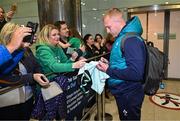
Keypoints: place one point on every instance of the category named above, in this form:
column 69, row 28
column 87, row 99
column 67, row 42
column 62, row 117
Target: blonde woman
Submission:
column 53, row 60
column 21, row 68
column 51, row 56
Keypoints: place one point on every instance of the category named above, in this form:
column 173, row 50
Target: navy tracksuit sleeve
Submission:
column 135, row 55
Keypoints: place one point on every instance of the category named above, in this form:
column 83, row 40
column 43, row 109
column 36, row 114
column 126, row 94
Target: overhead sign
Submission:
column 161, row 36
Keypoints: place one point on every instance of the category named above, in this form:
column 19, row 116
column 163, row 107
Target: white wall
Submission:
column 174, row 46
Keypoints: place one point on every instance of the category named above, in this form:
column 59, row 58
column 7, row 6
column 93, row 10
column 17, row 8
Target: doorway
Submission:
column 161, row 25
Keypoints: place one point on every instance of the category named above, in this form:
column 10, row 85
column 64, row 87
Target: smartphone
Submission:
column 34, row 27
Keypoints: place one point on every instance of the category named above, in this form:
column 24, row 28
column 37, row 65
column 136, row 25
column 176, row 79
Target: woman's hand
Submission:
column 103, row 42
column 41, row 79
column 9, row 15
column 17, row 38
column 82, row 47
column 74, row 56
column 79, row 64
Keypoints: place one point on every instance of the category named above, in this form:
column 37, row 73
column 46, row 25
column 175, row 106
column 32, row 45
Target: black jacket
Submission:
column 2, row 23
column 31, row 65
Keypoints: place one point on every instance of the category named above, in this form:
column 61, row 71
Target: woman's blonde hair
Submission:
column 6, row 32
column 43, row 36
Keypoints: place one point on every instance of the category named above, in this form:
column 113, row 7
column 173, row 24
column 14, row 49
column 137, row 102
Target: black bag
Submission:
column 154, row 68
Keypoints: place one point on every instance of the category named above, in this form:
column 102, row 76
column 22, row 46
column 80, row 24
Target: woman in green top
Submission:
column 51, row 56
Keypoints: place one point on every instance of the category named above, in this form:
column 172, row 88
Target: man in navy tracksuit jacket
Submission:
column 126, row 72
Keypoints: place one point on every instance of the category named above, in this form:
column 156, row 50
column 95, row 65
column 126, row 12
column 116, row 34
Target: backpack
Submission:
column 154, row 67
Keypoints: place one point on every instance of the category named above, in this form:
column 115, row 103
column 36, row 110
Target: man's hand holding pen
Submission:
column 103, row 64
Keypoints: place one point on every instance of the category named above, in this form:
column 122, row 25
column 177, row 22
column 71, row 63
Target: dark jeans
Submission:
column 129, row 98
column 17, row 112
